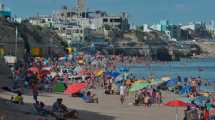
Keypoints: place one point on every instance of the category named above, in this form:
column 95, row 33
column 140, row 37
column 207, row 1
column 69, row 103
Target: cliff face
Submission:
column 208, row 48
column 28, row 37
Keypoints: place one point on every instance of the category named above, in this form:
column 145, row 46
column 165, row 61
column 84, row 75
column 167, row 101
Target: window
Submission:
column 105, row 20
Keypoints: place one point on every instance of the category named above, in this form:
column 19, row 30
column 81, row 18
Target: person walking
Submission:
column 122, row 93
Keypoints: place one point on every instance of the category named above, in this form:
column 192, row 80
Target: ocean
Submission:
column 204, row 67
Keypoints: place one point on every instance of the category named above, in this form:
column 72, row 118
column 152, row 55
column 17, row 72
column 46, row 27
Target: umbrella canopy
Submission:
column 201, row 100
column 212, row 111
column 98, row 72
column 113, row 74
column 34, row 69
column 171, row 83
column 45, row 72
column 185, row 90
column 75, row 88
column 165, row 78
column 156, row 82
column 124, row 69
column 186, row 99
column 176, row 103
column 46, row 68
column 85, row 72
column 138, row 86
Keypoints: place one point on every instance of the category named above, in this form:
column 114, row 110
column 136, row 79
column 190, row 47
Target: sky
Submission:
column 140, row 11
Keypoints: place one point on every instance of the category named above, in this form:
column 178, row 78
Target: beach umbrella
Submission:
column 62, row 58
column 75, row 88
column 156, row 82
column 138, row 86
column 212, row 111
column 113, row 74
column 185, row 90
column 85, row 72
column 165, row 78
column 171, row 83
column 33, row 69
column 186, row 99
column 124, row 69
column 46, row 68
column 45, row 73
column 98, row 72
column 201, row 100
column 176, row 104
column 139, row 81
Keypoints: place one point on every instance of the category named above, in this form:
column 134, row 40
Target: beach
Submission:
column 109, row 108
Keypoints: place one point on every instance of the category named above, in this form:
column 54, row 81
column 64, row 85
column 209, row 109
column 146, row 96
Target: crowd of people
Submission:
column 34, row 75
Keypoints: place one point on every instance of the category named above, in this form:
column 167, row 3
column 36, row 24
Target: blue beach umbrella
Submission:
column 171, row 83
column 124, row 69
column 185, row 90
column 113, row 73
column 201, row 100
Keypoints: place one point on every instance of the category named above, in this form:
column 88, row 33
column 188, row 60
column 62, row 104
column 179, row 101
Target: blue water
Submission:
column 205, row 68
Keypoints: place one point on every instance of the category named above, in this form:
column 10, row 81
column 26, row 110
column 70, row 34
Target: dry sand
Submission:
column 109, row 108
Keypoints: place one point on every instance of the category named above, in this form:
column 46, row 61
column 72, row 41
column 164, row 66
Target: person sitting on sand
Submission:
column 40, row 108
column 60, row 111
column 95, row 99
column 18, row 99
column 88, row 97
column 59, row 107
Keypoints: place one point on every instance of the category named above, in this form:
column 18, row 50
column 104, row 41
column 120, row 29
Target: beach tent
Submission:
column 138, row 86
column 59, row 87
column 185, row 90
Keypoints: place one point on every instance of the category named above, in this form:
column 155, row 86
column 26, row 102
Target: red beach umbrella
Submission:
column 176, row 103
column 85, row 72
column 34, row 69
column 74, row 88
column 212, row 111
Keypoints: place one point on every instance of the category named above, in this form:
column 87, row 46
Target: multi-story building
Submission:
column 43, row 21
column 71, row 23
column 4, row 12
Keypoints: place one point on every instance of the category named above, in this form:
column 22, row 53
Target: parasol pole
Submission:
column 176, row 115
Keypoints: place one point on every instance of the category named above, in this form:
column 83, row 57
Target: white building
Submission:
column 146, row 28
column 43, row 21
column 156, row 27
column 190, row 26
